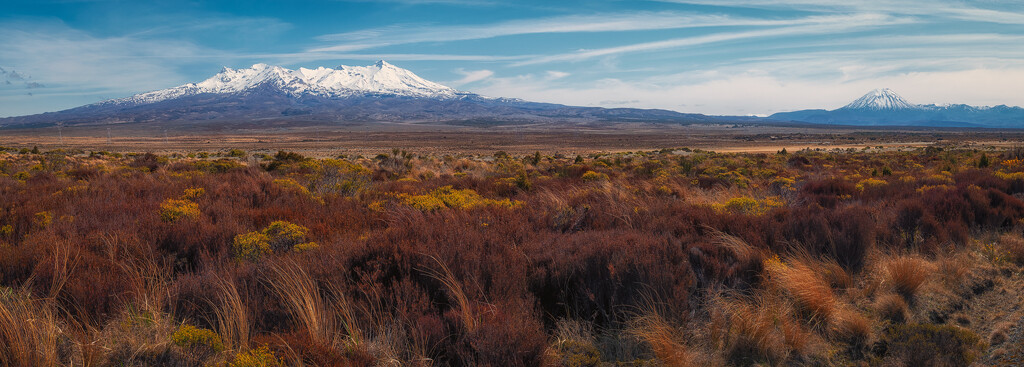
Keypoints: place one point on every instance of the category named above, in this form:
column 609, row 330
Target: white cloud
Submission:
column 301, row 57
column 1010, row 14
column 809, row 26
column 79, row 68
column 469, row 76
column 637, row 21
column 554, row 74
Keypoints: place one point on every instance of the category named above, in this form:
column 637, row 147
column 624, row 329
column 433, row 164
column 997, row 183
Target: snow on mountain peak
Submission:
column 881, row 99
column 343, row 81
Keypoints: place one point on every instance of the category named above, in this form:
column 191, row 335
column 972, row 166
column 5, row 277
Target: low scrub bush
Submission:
column 259, row 357
column 172, row 210
column 278, row 236
column 775, row 259
column 188, row 336
column 932, row 345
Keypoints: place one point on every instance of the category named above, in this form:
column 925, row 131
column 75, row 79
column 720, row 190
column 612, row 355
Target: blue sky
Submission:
column 706, row 56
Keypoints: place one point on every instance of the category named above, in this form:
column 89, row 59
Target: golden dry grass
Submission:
column 457, row 296
column 811, row 294
column 758, row 329
column 850, row 326
column 302, row 297
column 29, row 332
column 891, row 307
column 741, row 250
column 1013, row 246
column 231, row 315
column 664, row 338
column 905, row 275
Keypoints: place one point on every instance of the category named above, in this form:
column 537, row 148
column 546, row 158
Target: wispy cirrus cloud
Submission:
column 176, row 24
column 638, row 21
column 306, row 57
column 59, row 55
column 79, row 68
column 470, row 76
column 1004, row 12
column 803, row 27
column 430, row 2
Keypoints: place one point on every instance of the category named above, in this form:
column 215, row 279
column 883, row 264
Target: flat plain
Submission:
column 423, row 245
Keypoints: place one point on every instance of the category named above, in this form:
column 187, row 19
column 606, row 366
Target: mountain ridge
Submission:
column 884, row 107
column 383, row 92
column 379, row 92
column 379, row 78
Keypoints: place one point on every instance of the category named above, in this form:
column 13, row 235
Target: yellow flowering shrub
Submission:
column 305, row 246
column 188, row 336
column 278, row 236
column 591, row 176
column 1009, row 176
column 925, row 188
column 174, row 209
column 783, row 183
column 747, row 205
column 377, row 205
column 43, row 219
column 72, row 190
column 259, row 357
column 448, row 197
column 192, row 194
column 291, row 184
column 336, row 176
column 284, row 234
column 251, row 246
column 870, row 183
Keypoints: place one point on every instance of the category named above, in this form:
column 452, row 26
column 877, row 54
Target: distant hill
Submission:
column 883, row 107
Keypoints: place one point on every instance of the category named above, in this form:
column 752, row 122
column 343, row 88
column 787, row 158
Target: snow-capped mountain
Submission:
column 345, row 94
column 883, row 99
column 883, row 107
column 381, row 78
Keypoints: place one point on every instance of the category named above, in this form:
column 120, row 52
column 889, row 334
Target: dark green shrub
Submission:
column 571, row 353
column 932, row 345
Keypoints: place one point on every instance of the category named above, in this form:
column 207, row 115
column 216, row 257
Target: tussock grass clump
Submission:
column 850, row 327
column 303, row 299
column 231, row 316
column 760, row 329
column 30, row 334
column 573, row 345
column 891, row 307
column 663, row 338
column 1013, row 246
column 456, row 295
column 999, row 333
column 905, row 275
column 812, row 296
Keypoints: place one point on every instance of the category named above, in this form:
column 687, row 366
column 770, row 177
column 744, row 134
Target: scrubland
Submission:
column 676, row 257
